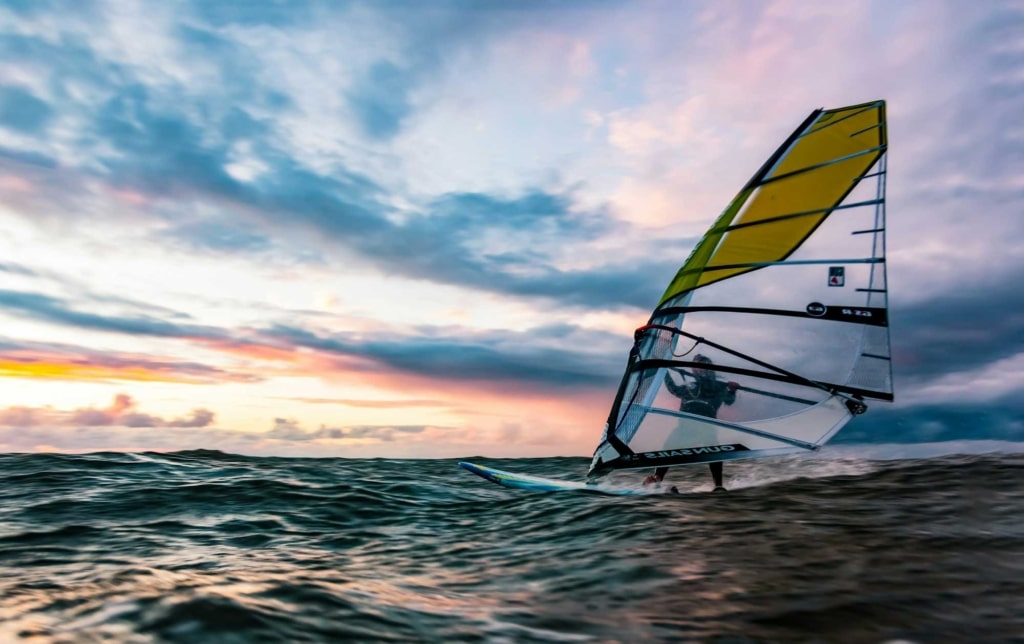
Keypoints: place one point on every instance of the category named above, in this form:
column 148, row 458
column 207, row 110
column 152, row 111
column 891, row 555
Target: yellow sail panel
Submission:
column 773, row 241
column 836, row 134
column 688, row 275
column 811, row 175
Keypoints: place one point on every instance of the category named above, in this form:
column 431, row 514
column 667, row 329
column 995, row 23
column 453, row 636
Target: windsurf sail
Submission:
column 775, row 331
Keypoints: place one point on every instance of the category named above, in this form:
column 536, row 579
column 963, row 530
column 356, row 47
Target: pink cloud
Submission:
column 121, row 413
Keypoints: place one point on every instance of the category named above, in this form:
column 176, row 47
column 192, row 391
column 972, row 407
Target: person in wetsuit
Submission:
column 703, row 397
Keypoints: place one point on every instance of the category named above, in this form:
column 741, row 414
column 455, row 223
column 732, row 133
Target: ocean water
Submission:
column 850, row 545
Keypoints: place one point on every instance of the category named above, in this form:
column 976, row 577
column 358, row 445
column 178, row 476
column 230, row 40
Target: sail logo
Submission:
column 817, row 309
column 691, row 451
column 836, row 275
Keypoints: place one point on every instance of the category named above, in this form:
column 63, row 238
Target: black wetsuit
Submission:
column 702, row 397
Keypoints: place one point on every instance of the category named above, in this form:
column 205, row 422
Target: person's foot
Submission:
column 673, row 490
column 719, row 488
column 651, row 479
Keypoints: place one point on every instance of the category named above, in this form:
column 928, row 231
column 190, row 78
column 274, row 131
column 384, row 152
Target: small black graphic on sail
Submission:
column 836, row 275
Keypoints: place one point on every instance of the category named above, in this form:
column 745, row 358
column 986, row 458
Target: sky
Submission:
column 428, row 229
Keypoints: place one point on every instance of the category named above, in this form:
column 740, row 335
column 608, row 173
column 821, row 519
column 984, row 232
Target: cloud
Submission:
column 525, row 151
column 55, row 310
column 958, row 330
column 222, row 151
column 54, row 361
column 17, row 269
column 1001, row 419
column 543, row 355
column 123, row 425
column 22, row 111
column 121, row 413
column 380, row 99
column 990, row 382
column 289, row 430
column 475, row 240
column 59, row 310
column 22, row 158
column 495, row 356
column 21, row 417
column 198, row 418
column 264, row 14
column 218, row 236
column 513, row 245
column 375, row 404
column 285, row 438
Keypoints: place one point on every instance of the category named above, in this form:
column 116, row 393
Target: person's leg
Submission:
column 716, row 473
column 657, row 477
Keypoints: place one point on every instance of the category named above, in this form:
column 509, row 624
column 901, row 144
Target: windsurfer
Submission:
column 703, row 397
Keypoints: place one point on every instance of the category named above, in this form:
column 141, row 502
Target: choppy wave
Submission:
column 857, row 544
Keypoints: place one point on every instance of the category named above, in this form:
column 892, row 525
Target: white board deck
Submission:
column 541, row 484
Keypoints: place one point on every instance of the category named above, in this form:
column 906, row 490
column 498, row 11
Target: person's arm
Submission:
column 679, row 391
column 729, row 392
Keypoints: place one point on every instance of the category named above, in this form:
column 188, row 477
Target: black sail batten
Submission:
column 782, row 177
column 830, row 387
column 776, row 328
column 779, row 375
column 874, row 316
column 794, row 215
